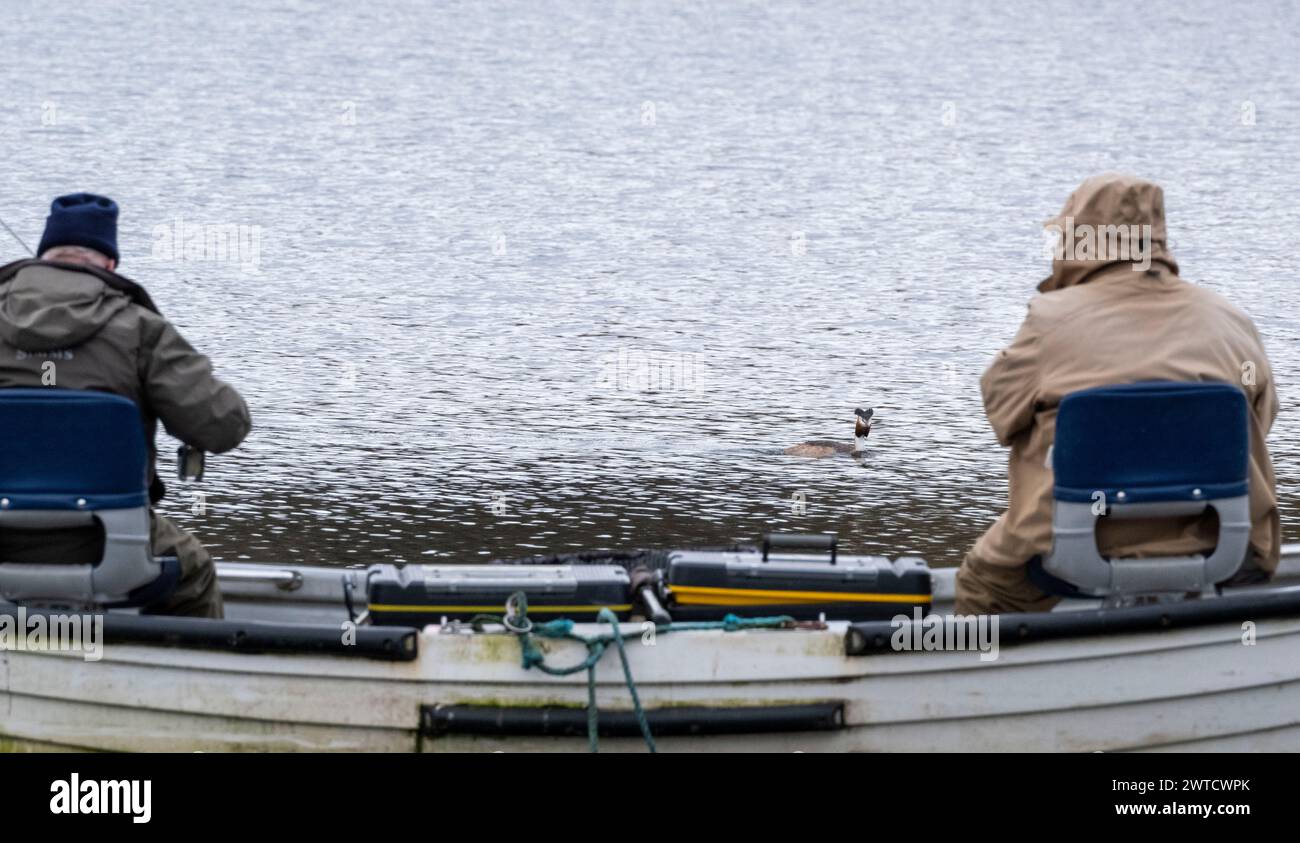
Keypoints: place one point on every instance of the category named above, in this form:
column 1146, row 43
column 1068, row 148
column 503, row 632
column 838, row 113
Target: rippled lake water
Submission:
column 539, row 276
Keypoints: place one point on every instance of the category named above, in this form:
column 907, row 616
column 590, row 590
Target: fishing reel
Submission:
column 190, row 462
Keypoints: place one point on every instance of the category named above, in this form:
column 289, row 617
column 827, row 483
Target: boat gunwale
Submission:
column 383, row 643
column 861, row 638
column 865, row 638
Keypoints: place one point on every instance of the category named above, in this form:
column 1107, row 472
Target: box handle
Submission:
column 800, row 541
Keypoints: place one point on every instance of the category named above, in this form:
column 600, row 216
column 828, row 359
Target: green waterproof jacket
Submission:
column 79, row 327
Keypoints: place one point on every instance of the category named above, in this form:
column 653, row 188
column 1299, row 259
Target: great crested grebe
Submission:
column 818, row 448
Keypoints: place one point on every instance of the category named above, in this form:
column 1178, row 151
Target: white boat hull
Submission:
column 1190, row 689
column 1199, row 688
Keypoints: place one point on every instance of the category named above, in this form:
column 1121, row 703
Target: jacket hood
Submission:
column 1107, row 211
column 45, row 307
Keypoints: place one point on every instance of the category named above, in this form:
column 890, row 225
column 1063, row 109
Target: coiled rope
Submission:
column 516, row 620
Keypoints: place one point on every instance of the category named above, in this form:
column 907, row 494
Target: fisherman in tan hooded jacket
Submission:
column 69, row 320
column 1111, row 315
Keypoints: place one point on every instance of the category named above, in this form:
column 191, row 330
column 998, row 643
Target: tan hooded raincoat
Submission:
column 1104, row 321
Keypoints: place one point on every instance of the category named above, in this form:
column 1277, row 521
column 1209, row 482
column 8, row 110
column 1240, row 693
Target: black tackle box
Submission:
column 414, row 595
column 775, row 579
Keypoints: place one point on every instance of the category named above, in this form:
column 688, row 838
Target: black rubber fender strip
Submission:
column 561, row 721
column 874, row 637
column 387, row 643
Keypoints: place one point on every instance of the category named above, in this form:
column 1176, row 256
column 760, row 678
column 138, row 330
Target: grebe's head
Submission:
column 862, row 421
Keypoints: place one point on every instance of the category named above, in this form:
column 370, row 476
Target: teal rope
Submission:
column 642, row 723
column 593, row 716
column 729, row 623
column 516, row 620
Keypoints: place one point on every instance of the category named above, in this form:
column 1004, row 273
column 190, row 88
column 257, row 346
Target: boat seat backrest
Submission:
column 1149, row 450
column 69, row 458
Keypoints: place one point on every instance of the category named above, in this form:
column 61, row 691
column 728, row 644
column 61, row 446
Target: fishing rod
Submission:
column 14, row 234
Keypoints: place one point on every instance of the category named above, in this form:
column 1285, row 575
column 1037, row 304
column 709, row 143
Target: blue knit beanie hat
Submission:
column 82, row 219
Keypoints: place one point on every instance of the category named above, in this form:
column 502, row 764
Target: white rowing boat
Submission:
column 273, row 677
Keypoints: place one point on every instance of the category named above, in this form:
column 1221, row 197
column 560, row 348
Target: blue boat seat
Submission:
column 1149, row 450
column 69, row 458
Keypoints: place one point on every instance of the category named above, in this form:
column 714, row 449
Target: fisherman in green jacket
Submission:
column 68, row 320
